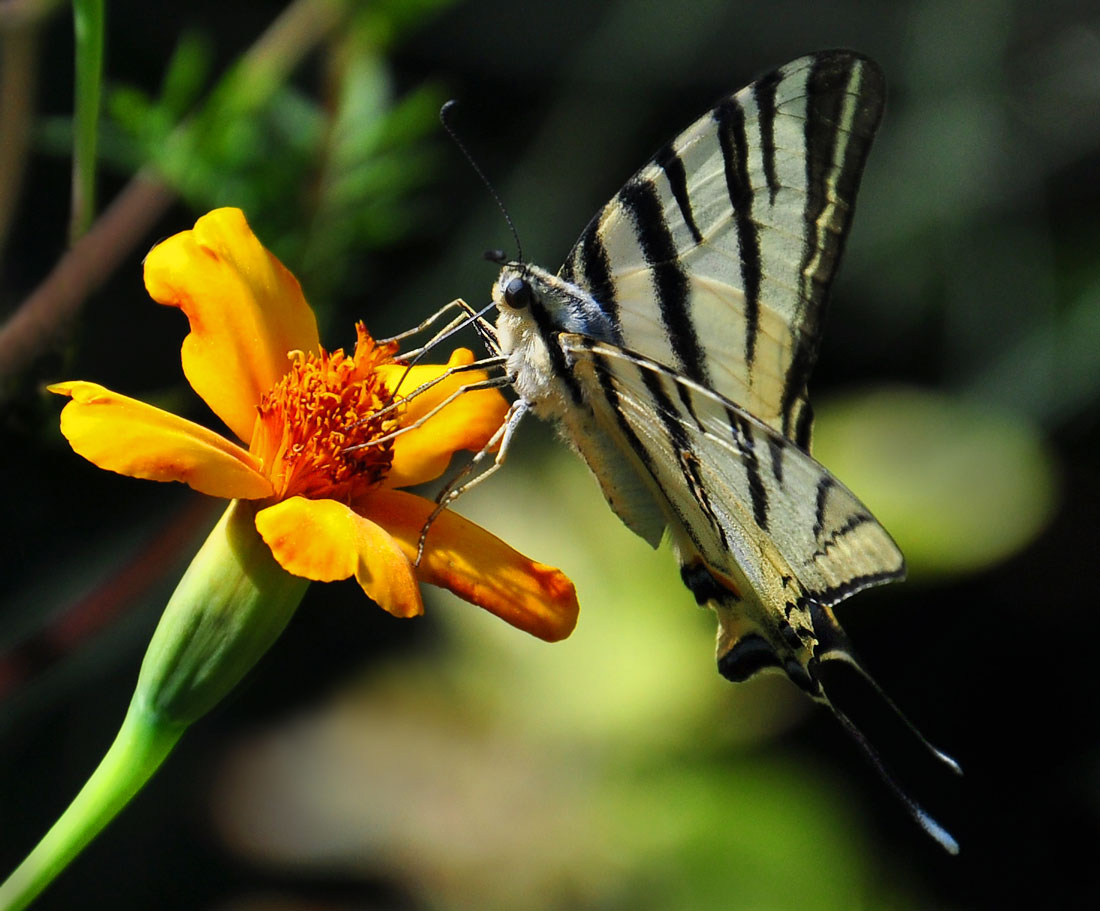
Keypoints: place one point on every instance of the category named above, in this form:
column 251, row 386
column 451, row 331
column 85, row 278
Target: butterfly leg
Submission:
column 488, row 363
column 475, row 318
column 453, row 489
column 457, row 304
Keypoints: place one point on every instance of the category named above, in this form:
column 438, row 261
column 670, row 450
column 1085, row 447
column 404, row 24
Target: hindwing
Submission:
column 736, row 486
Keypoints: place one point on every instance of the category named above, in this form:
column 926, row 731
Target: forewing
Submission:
column 716, row 258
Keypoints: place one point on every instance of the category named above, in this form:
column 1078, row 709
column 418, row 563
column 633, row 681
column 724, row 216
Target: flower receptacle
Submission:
column 228, row 609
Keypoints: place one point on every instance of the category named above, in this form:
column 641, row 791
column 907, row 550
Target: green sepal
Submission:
column 228, row 609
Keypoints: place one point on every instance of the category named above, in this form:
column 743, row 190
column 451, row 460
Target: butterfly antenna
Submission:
column 444, row 118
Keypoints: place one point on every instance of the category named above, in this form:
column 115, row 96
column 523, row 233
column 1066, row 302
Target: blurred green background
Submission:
column 450, row 762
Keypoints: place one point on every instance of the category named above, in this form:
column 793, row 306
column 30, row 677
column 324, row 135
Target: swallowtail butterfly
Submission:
column 673, row 350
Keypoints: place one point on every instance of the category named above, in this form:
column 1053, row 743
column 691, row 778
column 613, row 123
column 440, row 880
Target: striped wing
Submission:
column 674, row 348
column 716, row 258
column 736, row 487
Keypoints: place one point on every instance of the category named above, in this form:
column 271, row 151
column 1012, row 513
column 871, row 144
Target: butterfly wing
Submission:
column 766, row 536
column 716, row 258
column 741, row 493
column 628, row 490
column 674, row 348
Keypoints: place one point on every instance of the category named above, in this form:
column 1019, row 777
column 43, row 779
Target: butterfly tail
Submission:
column 870, row 716
column 832, row 675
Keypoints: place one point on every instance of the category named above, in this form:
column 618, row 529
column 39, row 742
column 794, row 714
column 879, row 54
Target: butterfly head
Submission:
column 526, row 294
column 514, row 290
column 519, row 287
column 517, row 295
column 536, row 309
column 532, row 300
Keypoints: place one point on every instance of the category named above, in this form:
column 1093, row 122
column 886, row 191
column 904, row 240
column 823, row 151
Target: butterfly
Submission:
column 673, row 350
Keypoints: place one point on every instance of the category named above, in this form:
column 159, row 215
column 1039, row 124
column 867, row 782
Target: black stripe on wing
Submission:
column 763, row 92
column 589, row 266
column 844, row 100
column 832, row 595
column 745, row 441
column 611, row 395
column 824, row 484
column 672, row 422
column 803, row 425
column 642, row 203
column 775, row 450
column 729, row 117
column 673, row 166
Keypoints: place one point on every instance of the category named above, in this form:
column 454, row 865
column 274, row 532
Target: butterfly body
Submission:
column 673, row 351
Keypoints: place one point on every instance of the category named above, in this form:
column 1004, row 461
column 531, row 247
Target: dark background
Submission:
column 374, row 763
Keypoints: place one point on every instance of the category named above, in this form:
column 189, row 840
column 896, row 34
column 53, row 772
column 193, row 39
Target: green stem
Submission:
column 88, row 26
column 229, row 607
column 141, row 745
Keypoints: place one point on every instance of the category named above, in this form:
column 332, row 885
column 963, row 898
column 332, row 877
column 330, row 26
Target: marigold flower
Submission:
column 327, row 505
column 327, row 440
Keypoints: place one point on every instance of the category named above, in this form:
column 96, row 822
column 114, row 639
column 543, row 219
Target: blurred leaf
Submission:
column 742, row 834
column 958, row 484
column 387, row 21
column 187, row 73
column 468, row 815
column 369, row 162
column 327, row 179
column 1052, row 374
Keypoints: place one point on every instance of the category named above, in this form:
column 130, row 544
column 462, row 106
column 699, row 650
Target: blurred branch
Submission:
column 80, row 270
column 88, row 29
column 19, row 24
column 18, row 13
column 94, row 257
column 18, row 64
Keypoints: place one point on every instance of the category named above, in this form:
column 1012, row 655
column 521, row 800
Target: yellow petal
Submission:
column 478, row 566
column 422, row 454
column 245, row 308
column 325, row 541
column 121, row 434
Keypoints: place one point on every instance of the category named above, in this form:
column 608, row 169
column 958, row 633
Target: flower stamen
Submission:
column 322, row 430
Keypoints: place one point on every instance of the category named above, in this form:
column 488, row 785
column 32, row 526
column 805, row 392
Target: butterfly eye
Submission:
column 518, row 295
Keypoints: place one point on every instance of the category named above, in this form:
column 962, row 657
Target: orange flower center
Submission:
column 320, row 410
